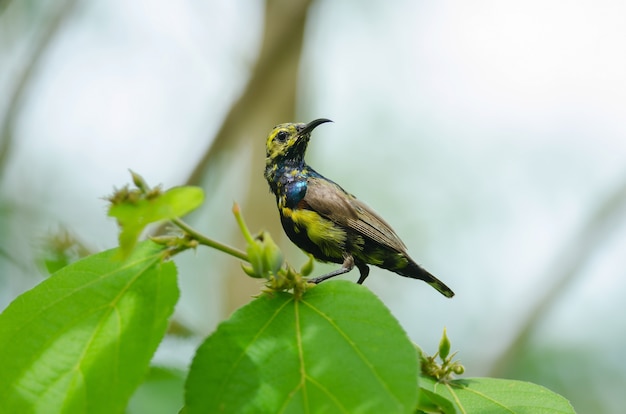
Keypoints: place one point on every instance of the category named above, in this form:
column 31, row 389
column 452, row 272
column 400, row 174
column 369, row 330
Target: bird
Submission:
column 326, row 221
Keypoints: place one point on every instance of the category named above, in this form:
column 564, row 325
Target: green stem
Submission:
column 211, row 243
column 242, row 224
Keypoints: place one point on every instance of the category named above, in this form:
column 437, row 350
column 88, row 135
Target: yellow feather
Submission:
column 330, row 238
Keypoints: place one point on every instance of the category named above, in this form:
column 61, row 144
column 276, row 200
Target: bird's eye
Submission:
column 282, row 136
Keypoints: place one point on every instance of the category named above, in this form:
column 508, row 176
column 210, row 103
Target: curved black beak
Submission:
column 312, row 125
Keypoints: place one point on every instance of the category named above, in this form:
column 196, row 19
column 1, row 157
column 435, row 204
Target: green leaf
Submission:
column 133, row 216
column 56, row 263
column 490, row 395
column 81, row 341
column 337, row 349
column 432, row 402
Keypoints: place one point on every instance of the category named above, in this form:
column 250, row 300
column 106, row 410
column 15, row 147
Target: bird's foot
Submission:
column 348, row 264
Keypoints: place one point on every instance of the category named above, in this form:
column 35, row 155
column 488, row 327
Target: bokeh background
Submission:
column 491, row 135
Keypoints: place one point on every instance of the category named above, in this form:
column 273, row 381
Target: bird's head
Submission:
column 288, row 142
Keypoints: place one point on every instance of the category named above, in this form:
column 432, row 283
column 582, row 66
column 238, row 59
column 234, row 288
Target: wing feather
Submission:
column 332, row 202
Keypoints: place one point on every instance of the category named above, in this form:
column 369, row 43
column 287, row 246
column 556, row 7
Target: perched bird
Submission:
column 324, row 220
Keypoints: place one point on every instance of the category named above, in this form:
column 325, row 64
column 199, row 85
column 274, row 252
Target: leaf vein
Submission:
column 244, row 350
column 357, row 351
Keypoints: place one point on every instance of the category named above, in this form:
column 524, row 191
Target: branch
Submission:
column 566, row 269
column 270, row 93
column 46, row 38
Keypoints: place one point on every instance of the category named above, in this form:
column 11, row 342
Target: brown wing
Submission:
column 332, row 202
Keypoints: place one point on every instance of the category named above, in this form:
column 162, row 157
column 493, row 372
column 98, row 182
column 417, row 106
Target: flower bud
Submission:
column 255, row 257
column 272, row 255
column 307, row 268
column 249, row 270
column 139, row 182
column 458, row 369
column 444, row 346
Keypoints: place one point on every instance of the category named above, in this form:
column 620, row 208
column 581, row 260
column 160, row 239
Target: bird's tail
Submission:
column 415, row 271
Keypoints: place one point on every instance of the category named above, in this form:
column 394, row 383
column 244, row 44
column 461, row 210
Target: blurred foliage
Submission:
column 160, row 393
column 563, row 369
column 61, row 248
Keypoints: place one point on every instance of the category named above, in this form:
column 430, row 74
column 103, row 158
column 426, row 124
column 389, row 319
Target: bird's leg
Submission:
column 364, row 272
column 348, row 264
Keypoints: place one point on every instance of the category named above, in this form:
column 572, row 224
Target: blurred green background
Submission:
column 491, row 135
